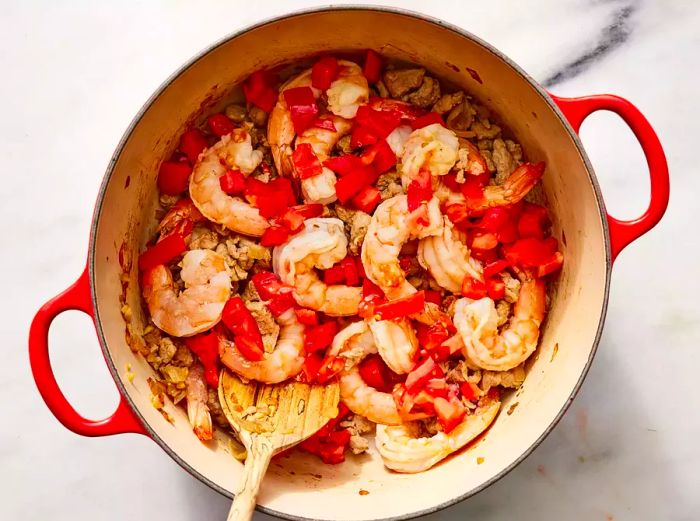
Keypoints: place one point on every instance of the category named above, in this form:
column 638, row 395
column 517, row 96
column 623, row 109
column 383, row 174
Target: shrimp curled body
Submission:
column 391, row 226
column 199, row 306
column 233, row 151
column 284, row 362
column 197, row 409
column 477, row 323
column 354, row 343
column 396, row 342
column 447, row 258
column 320, row 245
column 403, row 452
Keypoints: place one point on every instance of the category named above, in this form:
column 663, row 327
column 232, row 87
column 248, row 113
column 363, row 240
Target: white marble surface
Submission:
column 73, row 75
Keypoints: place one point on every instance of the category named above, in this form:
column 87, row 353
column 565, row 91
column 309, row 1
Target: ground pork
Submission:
column 447, row 102
column 402, row 81
column 356, row 223
column 358, row 427
column 389, row 184
column 427, row 94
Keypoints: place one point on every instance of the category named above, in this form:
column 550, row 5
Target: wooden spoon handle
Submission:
column 259, row 454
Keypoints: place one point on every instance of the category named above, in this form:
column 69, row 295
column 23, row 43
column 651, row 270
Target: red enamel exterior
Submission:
column 76, row 297
column 624, row 232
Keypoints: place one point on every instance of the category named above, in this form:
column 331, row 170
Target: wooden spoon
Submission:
column 269, row 419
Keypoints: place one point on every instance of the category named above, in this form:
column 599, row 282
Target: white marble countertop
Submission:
column 73, row 75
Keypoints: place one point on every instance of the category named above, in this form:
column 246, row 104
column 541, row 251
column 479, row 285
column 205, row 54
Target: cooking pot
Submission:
column 300, row 486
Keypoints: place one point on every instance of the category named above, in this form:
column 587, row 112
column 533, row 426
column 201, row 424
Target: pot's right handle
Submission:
column 624, row 232
column 76, row 297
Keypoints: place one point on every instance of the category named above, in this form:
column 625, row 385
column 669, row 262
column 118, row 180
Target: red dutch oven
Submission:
column 546, row 126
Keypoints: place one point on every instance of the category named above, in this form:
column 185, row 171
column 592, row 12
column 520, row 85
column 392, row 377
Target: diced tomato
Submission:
column 318, row 338
column 292, row 220
column 473, row 288
column 268, row 285
column 343, row 165
column 380, row 155
column 369, row 288
column 274, row 236
column 309, row 371
column 302, row 107
column 372, row 66
column 352, row 278
column 367, row 199
column 309, row 210
column 164, row 251
column 353, row 182
column 173, row 177
column 380, row 122
column 330, row 367
column 483, row 241
column 259, row 90
column 450, row 180
column 552, row 265
column 334, row 275
column 431, row 338
column 473, row 188
column 241, row 323
column 508, row 232
column 485, row 256
column 494, row 219
column 450, row 414
column 280, row 304
column 308, row 317
column 533, row 222
column 233, row 182
column 419, row 190
column 428, row 119
column 192, row 143
column 420, row 375
column 470, row 391
column 360, row 267
column 457, row 212
column 206, row 347
column 283, row 185
column 306, row 163
column 219, row 124
column 531, row 252
column 323, row 72
column 401, row 307
column 362, row 136
column 375, row 373
column 433, row 296
column 266, row 197
column 496, row 288
column 495, row 267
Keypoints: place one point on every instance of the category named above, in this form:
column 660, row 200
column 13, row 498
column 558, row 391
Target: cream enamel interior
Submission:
column 293, row 487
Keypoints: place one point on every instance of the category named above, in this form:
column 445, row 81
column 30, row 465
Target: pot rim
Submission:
column 294, row 14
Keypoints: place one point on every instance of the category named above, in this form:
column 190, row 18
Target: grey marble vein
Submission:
column 613, row 35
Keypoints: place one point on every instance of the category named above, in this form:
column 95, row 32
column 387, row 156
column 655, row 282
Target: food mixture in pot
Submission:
column 358, row 222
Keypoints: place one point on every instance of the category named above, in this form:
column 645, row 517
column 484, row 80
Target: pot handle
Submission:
column 624, row 232
column 77, row 296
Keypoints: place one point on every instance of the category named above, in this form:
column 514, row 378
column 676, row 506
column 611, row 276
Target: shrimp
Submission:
column 321, row 188
column 354, row 343
column 283, row 363
column 513, row 190
column 199, row 306
column 433, row 148
column 320, row 245
column 396, row 342
column 233, row 151
column 345, row 95
column 477, row 324
column 403, row 452
column 391, row 226
column 197, row 408
column 179, row 214
column 447, row 258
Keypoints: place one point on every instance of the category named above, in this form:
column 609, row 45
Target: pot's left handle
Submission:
column 75, row 297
